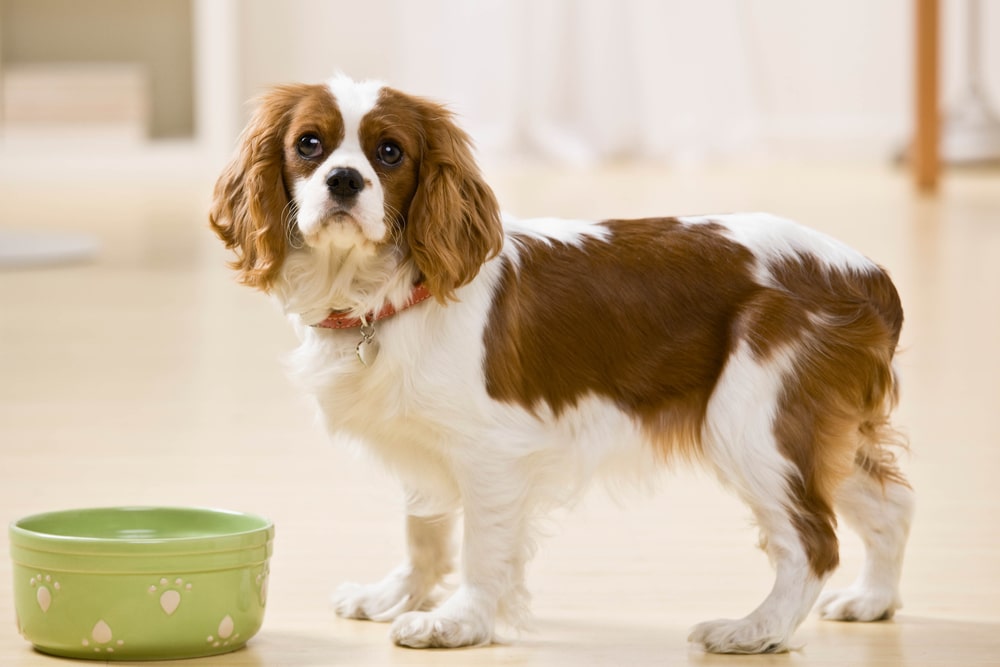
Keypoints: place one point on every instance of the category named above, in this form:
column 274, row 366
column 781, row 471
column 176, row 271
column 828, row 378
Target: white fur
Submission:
column 316, row 280
column 410, row 586
column 550, row 231
column 556, row 230
column 771, row 238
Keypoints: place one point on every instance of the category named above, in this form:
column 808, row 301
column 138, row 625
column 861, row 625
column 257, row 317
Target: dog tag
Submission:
column 367, row 349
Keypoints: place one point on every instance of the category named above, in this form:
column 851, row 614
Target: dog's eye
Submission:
column 389, row 153
column 309, row 146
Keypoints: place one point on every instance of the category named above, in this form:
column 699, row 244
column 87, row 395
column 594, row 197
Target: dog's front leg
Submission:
column 495, row 550
column 409, row 586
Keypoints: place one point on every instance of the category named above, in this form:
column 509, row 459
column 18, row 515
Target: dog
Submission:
column 497, row 365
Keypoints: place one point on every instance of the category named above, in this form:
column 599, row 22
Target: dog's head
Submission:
column 358, row 167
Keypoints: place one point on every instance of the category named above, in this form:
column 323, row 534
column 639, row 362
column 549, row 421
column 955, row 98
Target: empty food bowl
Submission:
column 140, row 583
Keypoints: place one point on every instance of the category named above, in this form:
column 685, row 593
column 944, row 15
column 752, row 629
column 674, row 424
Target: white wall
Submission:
column 585, row 79
column 307, row 40
column 154, row 35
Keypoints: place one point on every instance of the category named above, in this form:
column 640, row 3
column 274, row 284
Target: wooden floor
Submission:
column 149, row 377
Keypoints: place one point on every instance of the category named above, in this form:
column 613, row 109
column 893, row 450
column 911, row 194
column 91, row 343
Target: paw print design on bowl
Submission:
column 46, row 588
column 102, row 636
column 170, row 593
column 226, row 636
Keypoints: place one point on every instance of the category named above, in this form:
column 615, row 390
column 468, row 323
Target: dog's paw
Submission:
column 436, row 630
column 858, row 603
column 746, row 635
column 383, row 601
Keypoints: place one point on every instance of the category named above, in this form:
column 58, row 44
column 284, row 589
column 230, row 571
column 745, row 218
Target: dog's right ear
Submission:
column 250, row 206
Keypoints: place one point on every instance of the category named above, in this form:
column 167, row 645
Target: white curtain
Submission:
column 586, row 80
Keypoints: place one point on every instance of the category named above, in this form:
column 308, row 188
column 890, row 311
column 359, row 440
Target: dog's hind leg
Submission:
column 877, row 503
column 744, row 444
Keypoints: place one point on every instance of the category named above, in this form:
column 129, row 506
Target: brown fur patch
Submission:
column 317, row 113
column 643, row 319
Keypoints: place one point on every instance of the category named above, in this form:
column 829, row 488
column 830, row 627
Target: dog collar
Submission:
column 338, row 320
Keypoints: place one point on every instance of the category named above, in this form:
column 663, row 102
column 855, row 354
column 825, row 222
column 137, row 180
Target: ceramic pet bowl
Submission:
column 140, row 583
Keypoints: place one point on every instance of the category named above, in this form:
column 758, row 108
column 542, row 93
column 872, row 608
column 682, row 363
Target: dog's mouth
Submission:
column 340, row 216
column 340, row 227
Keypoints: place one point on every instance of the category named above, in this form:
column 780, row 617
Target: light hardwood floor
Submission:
column 149, row 377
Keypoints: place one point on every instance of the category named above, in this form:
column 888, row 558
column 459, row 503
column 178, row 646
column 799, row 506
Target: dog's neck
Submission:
column 339, row 319
column 316, row 281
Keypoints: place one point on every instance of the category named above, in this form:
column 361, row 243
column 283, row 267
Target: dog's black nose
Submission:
column 345, row 182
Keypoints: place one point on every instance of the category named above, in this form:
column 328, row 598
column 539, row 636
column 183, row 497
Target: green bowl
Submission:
column 140, row 583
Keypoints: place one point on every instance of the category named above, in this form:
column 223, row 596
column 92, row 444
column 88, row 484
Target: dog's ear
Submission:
column 453, row 225
column 250, row 206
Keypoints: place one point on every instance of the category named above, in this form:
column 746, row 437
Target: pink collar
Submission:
column 335, row 320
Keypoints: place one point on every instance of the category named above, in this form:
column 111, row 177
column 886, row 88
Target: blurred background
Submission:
column 134, row 370
column 574, row 81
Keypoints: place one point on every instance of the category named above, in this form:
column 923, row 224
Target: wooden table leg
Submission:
column 926, row 140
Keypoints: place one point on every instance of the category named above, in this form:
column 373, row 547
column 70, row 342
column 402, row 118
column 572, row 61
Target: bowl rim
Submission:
column 260, row 533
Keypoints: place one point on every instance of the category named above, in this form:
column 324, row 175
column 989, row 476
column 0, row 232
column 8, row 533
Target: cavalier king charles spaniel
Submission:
column 497, row 365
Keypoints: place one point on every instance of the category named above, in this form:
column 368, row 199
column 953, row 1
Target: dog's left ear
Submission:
column 453, row 225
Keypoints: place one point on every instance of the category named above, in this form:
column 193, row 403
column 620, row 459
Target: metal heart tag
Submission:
column 367, row 351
